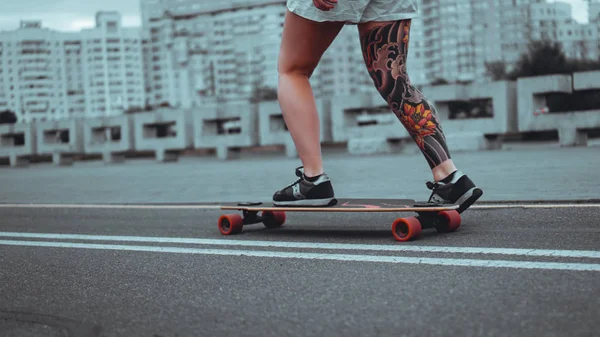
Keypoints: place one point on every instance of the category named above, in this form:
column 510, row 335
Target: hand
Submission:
column 325, row 5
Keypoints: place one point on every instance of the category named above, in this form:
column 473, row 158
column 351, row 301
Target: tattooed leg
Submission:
column 385, row 48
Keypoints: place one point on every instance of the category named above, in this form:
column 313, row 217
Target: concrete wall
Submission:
column 572, row 126
column 363, row 121
column 165, row 131
column 345, row 111
column 370, row 126
column 476, row 133
column 10, row 137
column 111, row 136
column 50, row 139
column 226, row 128
column 367, row 124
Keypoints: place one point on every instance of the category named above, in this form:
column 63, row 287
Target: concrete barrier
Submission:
column 112, row 136
column 18, row 143
column 370, row 126
column 572, row 126
column 166, row 131
column 273, row 129
column 348, row 114
column 476, row 133
column 227, row 128
column 61, row 138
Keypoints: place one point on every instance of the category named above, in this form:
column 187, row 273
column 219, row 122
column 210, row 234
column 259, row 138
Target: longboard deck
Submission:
column 347, row 205
column 442, row 217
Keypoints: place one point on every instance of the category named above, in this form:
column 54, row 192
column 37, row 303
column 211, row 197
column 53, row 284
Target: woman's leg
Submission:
column 385, row 48
column 303, row 43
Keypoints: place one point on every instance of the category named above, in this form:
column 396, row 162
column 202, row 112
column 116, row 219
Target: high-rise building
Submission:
column 113, row 71
column 47, row 74
column 204, row 52
column 545, row 19
column 342, row 70
column 554, row 21
column 579, row 41
column 462, row 36
column 32, row 70
column 594, row 11
column 415, row 63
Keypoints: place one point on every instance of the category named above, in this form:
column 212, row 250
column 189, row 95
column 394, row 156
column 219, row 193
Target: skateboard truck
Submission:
column 250, row 203
column 233, row 223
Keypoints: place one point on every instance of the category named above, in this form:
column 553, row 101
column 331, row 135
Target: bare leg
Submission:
column 303, row 44
column 385, row 48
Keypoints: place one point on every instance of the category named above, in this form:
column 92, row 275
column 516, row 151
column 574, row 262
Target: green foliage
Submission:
column 543, row 57
column 8, row 117
column 440, row 81
column 496, row 71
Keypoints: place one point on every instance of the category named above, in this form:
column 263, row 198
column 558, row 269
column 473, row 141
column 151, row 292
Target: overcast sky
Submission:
column 66, row 15
column 72, row 15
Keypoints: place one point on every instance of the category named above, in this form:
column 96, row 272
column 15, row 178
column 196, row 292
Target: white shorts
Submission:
column 357, row 11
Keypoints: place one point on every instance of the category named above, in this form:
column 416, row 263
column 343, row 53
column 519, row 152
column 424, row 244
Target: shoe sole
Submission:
column 307, row 202
column 468, row 199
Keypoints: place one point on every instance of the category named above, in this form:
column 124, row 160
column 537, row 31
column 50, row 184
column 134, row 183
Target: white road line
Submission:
column 315, row 245
column 108, row 206
column 200, row 206
column 318, row 256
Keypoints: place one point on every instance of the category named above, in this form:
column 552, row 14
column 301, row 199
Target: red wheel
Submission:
column 451, row 220
column 230, row 224
column 273, row 219
column 405, row 229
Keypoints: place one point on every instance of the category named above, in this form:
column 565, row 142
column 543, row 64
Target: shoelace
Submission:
column 433, row 186
column 299, row 174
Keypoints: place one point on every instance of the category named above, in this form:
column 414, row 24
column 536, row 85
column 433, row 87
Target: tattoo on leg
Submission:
column 384, row 51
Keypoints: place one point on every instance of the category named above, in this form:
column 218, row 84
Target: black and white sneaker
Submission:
column 456, row 189
column 314, row 191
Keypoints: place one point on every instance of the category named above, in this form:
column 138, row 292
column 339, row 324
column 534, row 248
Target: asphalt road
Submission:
column 168, row 272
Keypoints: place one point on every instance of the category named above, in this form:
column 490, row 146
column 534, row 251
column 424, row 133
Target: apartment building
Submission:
column 554, row 21
column 47, row 74
column 206, row 52
column 594, row 11
column 32, row 72
column 463, row 35
column 202, row 52
column 113, row 70
column 579, row 41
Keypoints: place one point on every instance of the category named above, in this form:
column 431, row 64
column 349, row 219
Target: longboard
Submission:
column 442, row 217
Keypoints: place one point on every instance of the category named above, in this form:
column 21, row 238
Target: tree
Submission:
column 8, row 117
column 496, row 70
column 584, row 65
column 440, row 81
column 543, row 57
